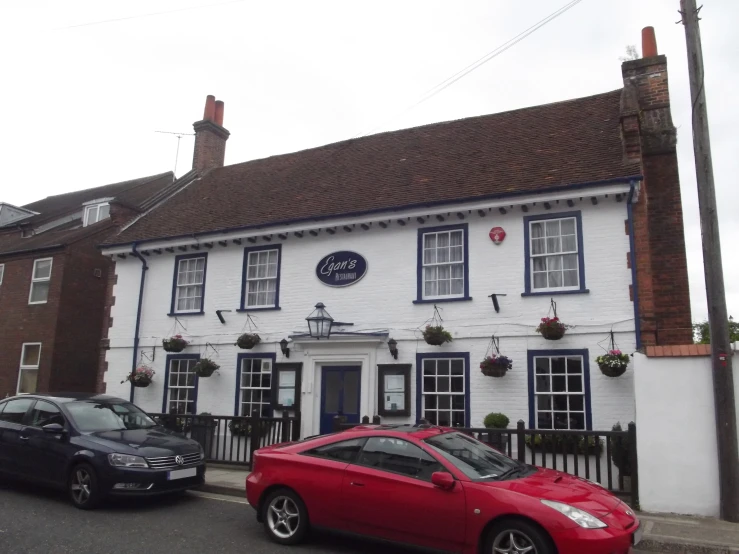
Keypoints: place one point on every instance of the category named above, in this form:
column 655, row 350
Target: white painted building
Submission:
column 573, row 186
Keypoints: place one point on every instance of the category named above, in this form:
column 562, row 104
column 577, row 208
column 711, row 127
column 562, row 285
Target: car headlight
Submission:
column 582, row 518
column 202, row 452
column 124, row 460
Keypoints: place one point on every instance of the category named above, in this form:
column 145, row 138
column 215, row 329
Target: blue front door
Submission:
column 340, row 387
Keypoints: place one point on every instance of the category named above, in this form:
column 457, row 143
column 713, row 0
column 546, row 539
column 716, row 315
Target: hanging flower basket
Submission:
column 247, row 341
column 239, row 428
column 140, row 377
column 496, row 366
column 436, row 335
column 205, row 367
column 551, row 328
column 174, row 344
column 613, row 364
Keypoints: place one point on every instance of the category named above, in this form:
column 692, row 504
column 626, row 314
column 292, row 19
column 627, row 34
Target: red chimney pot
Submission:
column 648, row 43
column 219, row 112
column 210, row 108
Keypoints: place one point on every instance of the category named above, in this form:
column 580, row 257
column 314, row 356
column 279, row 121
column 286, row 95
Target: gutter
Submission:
column 387, row 210
column 632, row 248
column 33, row 250
column 144, row 268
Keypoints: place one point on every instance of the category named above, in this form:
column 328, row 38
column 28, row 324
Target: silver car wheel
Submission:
column 81, row 486
column 283, row 517
column 513, row 541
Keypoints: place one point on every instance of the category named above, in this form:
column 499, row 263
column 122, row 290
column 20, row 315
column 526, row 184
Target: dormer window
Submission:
column 96, row 212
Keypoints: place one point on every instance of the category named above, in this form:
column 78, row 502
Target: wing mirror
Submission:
column 443, row 480
column 54, row 429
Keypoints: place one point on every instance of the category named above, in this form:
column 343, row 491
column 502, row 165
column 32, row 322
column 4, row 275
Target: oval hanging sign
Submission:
column 341, row 269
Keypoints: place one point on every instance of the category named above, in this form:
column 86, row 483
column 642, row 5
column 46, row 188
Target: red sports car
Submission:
column 435, row 488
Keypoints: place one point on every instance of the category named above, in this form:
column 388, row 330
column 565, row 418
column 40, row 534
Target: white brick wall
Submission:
column 383, row 299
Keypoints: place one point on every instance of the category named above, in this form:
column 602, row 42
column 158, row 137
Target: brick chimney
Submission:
column 210, row 137
column 649, row 137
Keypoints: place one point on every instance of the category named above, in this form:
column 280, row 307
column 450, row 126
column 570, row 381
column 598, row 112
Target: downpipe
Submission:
column 144, row 268
column 632, row 247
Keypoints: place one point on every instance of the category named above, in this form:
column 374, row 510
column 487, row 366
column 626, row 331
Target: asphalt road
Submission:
column 34, row 520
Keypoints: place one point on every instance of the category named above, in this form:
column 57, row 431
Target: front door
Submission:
column 340, row 387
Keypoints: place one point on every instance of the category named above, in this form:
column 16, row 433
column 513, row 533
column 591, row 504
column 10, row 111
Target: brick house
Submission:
column 488, row 222
column 53, row 283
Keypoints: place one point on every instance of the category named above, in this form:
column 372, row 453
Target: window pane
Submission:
column 558, row 365
column 538, row 246
column 552, row 228
column 544, row 420
column 569, row 243
column 15, row 410
column 576, row 403
column 577, row 421
column 345, row 451
column 570, row 279
column 27, row 384
column 542, row 383
column 559, row 384
column 351, row 392
column 45, row 413
column 542, row 365
column 332, row 390
column 540, row 280
column 39, row 291
column 42, row 269
column 568, row 226
column 574, row 365
column 569, row 261
column 104, row 212
column 31, row 354
column 395, row 455
column 574, row 383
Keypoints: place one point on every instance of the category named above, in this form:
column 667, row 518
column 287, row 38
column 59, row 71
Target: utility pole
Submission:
column 723, row 378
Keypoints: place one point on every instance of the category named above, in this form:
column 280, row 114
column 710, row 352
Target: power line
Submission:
column 486, row 58
column 126, row 18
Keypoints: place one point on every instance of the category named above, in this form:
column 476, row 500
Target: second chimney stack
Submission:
column 210, row 137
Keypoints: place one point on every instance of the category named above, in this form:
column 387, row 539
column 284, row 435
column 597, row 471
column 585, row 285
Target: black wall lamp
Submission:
column 494, row 297
column 392, row 345
column 284, row 348
column 219, row 313
column 320, row 322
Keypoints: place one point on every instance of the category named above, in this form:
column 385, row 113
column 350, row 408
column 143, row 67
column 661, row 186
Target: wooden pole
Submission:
column 723, row 377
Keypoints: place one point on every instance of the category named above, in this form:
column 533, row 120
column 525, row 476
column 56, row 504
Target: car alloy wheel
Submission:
column 283, row 517
column 513, row 542
column 83, row 487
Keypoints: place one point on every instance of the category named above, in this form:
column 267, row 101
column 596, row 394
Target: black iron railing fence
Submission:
column 608, row 458
column 231, row 439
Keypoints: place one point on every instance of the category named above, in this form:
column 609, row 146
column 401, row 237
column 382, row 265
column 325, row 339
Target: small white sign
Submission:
column 182, row 473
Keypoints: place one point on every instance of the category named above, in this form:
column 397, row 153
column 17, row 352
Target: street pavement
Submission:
column 34, row 520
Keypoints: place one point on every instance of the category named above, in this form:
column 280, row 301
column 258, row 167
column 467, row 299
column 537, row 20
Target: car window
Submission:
column 344, row 451
column 475, row 459
column 88, row 416
column 398, row 456
column 45, row 413
column 16, row 409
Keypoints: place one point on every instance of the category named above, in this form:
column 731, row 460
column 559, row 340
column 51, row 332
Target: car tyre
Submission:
column 285, row 517
column 512, row 536
column 83, row 488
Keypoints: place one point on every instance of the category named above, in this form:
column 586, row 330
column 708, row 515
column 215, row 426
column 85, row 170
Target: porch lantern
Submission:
column 392, row 345
column 284, row 348
column 319, row 322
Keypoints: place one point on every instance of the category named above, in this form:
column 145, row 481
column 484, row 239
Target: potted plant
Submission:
column 204, row 430
column 205, row 367
column 621, row 456
column 496, row 420
column 551, row 328
column 436, row 335
column 613, row 364
column 560, row 444
column 247, row 341
column 140, row 377
column 496, row 366
column 174, row 344
column 179, row 423
column 239, row 427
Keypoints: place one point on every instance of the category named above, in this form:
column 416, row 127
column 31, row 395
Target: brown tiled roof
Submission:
column 560, row 144
column 133, row 193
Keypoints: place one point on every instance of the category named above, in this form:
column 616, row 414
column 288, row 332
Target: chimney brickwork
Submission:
column 210, row 137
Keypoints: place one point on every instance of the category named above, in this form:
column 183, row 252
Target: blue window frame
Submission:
column 443, row 388
column 254, row 384
column 260, row 278
column 180, row 384
column 442, row 272
column 188, row 284
column 559, row 389
column 554, row 254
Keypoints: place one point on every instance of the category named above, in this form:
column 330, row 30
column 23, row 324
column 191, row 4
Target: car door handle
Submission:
column 21, row 437
column 355, row 484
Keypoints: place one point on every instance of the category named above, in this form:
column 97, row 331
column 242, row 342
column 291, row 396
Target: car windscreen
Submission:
column 90, row 416
column 475, row 459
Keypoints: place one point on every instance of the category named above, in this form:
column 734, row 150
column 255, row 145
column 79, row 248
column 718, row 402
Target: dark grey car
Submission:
column 94, row 446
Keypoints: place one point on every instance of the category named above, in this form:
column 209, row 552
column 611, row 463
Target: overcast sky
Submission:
column 81, row 103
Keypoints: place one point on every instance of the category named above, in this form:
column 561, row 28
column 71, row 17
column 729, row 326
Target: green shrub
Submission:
column 564, row 443
column 496, row 420
column 620, row 452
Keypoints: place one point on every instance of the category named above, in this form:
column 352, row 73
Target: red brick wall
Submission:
column 210, row 145
column 107, row 323
column 21, row 322
column 76, row 355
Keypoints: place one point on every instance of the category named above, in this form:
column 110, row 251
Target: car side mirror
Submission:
column 443, row 480
column 54, row 429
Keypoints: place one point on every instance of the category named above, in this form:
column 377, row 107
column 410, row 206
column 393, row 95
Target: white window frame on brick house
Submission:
column 255, row 386
column 261, row 278
column 557, row 387
column 443, row 264
column 24, row 366
column 441, row 391
column 181, row 384
column 40, row 281
column 188, row 283
column 2, row 273
column 101, row 211
column 554, row 254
